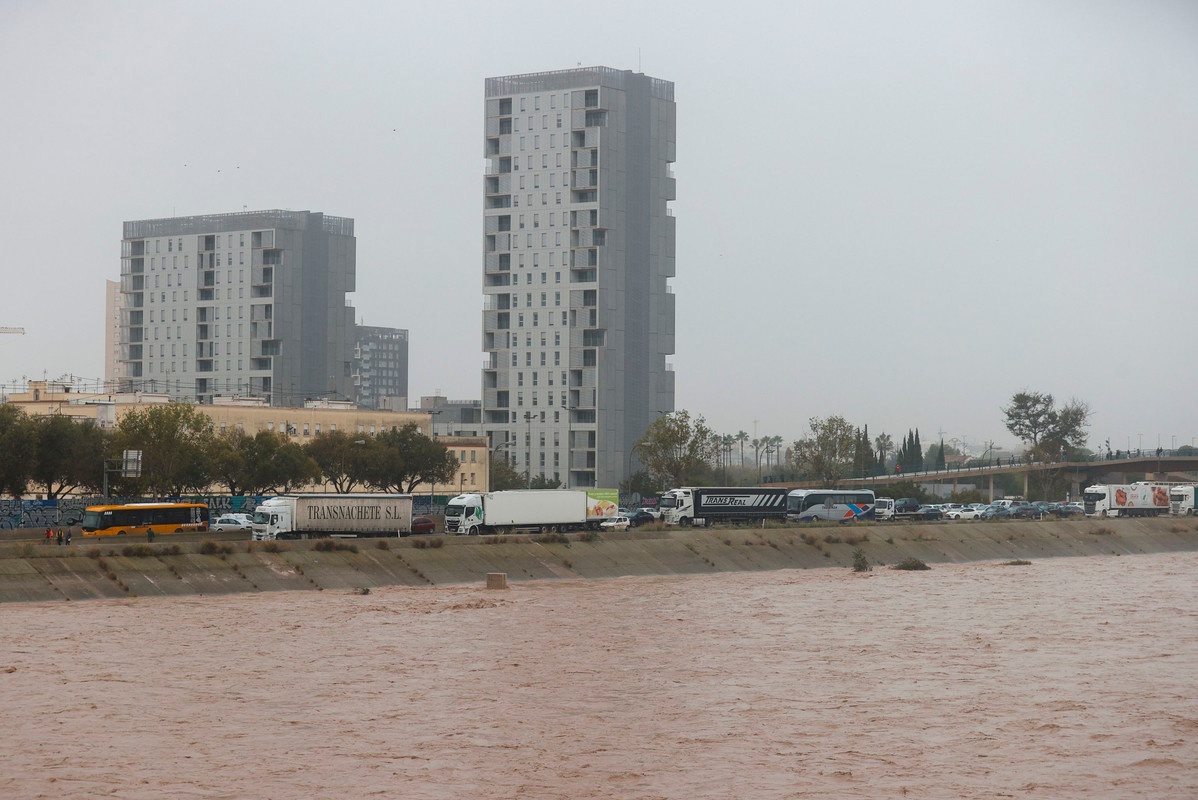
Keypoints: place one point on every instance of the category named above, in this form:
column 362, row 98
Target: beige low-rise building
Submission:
column 300, row 424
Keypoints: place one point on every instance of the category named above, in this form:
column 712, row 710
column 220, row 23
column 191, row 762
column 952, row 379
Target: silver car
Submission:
column 228, row 522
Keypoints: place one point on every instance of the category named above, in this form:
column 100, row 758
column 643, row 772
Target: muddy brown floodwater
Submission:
column 1067, row 678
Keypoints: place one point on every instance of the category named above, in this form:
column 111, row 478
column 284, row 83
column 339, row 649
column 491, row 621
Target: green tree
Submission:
column 230, row 456
column 341, row 457
column 884, row 445
column 18, row 450
column 677, row 450
column 640, row 483
column 175, row 440
column 1048, row 430
column 400, row 459
column 939, row 463
column 741, row 438
column 827, row 454
column 543, row 482
column 504, row 475
column 70, row 455
column 290, row 468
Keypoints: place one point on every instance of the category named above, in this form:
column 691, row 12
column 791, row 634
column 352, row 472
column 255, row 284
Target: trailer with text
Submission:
column 305, row 516
column 708, row 505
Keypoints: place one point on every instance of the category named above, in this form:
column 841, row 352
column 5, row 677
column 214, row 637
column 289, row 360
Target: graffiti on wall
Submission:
column 69, row 511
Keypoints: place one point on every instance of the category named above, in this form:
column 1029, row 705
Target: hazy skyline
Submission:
column 902, row 213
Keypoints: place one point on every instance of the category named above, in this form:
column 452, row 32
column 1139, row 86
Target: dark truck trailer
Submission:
column 707, row 505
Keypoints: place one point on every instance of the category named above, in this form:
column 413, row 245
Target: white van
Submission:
column 1009, row 503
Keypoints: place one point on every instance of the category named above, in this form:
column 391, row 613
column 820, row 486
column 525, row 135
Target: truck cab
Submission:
column 272, row 519
column 884, row 508
column 1181, row 501
column 676, row 506
column 464, row 514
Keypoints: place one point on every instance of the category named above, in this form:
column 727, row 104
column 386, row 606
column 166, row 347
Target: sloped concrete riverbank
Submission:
column 34, row 571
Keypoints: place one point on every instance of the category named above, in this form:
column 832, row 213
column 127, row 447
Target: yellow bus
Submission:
column 138, row 518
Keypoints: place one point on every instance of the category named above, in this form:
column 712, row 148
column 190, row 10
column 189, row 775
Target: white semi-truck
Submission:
column 1141, row 499
column 527, row 510
column 1181, row 501
column 308, row 516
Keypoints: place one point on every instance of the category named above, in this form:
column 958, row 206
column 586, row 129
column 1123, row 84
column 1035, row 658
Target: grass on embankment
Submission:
column 100, row 569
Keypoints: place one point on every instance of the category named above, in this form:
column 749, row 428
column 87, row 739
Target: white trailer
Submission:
column 530, row 510
column 306, row 516
column 1142, row 499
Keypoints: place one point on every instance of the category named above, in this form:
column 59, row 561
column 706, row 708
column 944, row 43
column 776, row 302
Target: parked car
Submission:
column 1026, row 512
column 229, row 522
column 1068, row 510
column 619, row 523
column 641, row 517
column 423, row 525
column 653, row 512
column 996, row 512
column 964, row 512
column 931, row 512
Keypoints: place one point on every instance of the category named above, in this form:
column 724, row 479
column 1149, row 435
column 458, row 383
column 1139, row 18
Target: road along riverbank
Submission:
column 31, row 570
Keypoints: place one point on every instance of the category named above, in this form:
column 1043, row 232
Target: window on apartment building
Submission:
column 519, row 378
column 528, row 359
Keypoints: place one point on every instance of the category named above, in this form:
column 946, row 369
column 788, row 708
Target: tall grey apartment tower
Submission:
column 250, row 305
column 578, row 244
column 381, row 368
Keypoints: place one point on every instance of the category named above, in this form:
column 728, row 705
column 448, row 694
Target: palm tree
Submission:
column 742, row 437
column 884, row 445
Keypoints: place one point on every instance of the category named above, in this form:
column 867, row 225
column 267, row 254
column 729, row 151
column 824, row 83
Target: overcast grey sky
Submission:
column 902, row 213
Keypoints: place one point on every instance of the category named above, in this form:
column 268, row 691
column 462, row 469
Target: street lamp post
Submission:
column 628, row 474
column 528, row 448
column 491, row 460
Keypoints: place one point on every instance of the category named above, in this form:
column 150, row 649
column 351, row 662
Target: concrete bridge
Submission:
column 1080, row 474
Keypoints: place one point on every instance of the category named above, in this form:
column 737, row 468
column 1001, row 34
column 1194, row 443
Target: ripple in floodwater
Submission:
column 1063, row 678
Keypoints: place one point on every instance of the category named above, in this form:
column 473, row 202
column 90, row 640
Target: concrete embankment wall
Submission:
column 33, row 571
